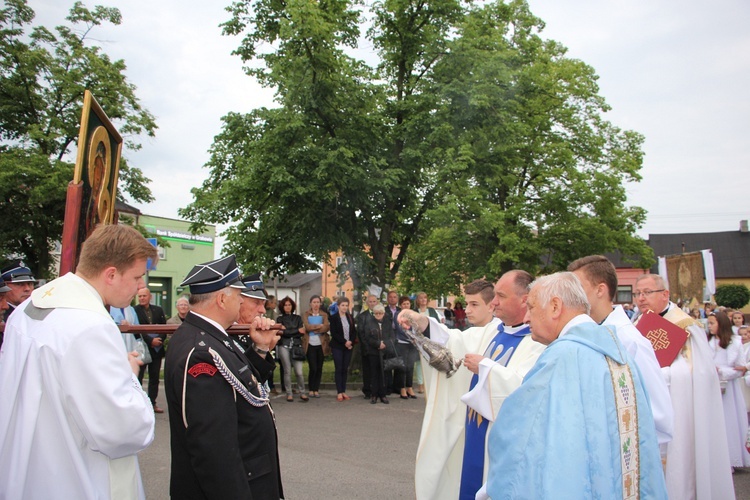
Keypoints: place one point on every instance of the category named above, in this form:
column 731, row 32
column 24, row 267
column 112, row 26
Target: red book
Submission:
column 666, row 338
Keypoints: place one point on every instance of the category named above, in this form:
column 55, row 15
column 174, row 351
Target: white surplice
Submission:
column 641, row 350
column 73, row 414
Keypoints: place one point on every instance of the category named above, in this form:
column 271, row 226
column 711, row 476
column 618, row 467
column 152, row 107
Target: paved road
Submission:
column 328, row 450
column 332, row 450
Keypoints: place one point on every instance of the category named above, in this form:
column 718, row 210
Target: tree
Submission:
column 473, row 146
column 734, row 296
column 536, row 177
column 43, row 76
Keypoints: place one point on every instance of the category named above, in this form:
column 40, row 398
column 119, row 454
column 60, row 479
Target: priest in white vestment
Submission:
column 73, row 415
column 448, row 468
column 697, row 463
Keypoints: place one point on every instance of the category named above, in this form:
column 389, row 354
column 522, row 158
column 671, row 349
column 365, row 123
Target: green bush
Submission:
column 734, row 296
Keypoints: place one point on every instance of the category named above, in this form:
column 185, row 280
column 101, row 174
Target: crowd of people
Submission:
column 541, row 368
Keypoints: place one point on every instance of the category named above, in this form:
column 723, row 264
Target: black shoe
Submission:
column 403, row 397
column 413, row 396
column 384, row 400
column 373, row 401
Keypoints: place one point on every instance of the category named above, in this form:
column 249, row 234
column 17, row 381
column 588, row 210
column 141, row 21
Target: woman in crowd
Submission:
column 425, row 310
column 407, row 351
column 449, row 315
column 292, row 335
column 738, row 319
column 343, row 334
column 316, row 325
column 377, row 337
column 460, row 314
column 729, row 361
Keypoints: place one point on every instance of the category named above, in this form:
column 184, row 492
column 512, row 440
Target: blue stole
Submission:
column 500, row 350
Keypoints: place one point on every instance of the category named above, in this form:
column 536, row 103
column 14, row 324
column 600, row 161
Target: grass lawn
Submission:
column 326, row 378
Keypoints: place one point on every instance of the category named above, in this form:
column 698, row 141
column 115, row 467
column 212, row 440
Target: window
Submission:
column 624, row 294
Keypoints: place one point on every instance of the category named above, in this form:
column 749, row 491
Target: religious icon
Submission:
column 100, row 167
column 93, row 190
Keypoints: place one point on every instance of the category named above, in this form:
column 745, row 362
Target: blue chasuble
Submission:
column 500, row 350
column 557, row 435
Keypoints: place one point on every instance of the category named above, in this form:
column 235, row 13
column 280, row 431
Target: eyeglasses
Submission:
column 646, row 293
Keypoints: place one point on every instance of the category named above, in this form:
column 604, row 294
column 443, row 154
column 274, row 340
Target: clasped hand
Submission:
column 260, row 334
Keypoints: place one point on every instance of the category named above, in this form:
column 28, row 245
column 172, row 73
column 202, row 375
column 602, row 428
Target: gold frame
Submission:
column 104, row 133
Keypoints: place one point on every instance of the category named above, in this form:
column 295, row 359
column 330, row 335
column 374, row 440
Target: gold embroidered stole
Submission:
column 627, row 422
column 678, row 317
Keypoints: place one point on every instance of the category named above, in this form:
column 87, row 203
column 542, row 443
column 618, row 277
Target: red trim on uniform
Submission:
column 202, row 368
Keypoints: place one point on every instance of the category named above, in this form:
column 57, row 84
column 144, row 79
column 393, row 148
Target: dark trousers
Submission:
column 315, row 361
column 365, row 374
column 377, row 382
column 341, row 359
column 277, row 359
column 154, row 372
column 409, row 353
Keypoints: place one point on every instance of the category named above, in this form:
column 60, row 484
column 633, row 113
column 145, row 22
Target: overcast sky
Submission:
column 678, row 73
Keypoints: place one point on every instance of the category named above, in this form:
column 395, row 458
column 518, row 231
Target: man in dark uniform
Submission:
column 3, row 307
column 149, row 314
column 223, row 433
column 21, row 281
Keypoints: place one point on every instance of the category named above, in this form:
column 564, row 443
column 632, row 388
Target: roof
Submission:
column 124, row 208
column 295, row 280
column 731, row 250
column 619, row 260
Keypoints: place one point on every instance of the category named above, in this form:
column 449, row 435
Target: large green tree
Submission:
column 462, row 145
column 43, row 75
column 536, row 175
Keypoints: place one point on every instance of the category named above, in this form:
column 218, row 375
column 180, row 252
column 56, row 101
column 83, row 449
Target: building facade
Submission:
column 185, row 250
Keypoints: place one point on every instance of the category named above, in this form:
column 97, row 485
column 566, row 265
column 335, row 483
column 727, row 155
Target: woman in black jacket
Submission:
column 291, row 336
column 343, row 334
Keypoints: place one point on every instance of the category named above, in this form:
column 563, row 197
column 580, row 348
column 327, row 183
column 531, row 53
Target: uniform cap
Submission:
column 16, row 272
column 254, row 287
column 3, row 287
column 214, row 275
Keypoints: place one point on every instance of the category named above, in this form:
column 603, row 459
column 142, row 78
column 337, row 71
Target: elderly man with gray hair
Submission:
column 183, row 307
column 581, row 423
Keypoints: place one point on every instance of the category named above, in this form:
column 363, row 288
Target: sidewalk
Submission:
column 328, row 449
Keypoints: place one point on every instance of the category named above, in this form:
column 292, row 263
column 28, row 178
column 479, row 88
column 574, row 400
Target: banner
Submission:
column 685, row 277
